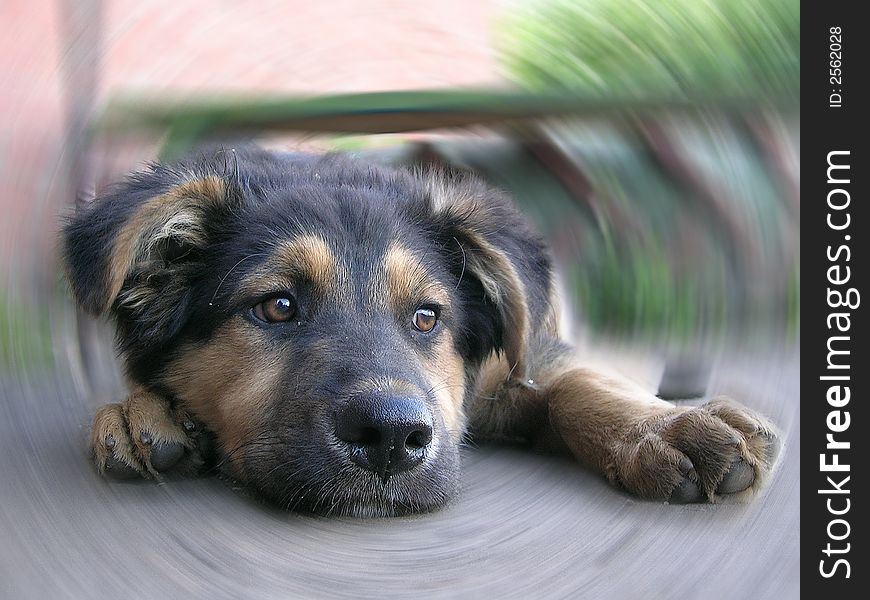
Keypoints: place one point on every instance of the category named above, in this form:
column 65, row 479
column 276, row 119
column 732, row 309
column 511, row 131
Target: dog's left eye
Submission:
column 425, row 319
column 275, row 310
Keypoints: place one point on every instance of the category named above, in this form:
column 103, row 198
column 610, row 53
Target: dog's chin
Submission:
column 339, row 488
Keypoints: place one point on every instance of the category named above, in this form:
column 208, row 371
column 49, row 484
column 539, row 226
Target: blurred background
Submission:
column 656, row 145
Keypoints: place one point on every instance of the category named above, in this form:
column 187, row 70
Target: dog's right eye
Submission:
column 276, row 310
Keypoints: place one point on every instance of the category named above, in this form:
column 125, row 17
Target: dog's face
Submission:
column 323, row 319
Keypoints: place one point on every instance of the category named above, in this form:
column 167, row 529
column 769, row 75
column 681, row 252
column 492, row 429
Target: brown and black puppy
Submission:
column 336, row 328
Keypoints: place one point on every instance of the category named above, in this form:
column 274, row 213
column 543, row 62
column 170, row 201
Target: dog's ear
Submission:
column 502, row 265
column 132, row 252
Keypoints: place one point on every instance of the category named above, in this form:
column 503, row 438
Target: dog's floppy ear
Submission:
column 502, row 265
column 133, row 250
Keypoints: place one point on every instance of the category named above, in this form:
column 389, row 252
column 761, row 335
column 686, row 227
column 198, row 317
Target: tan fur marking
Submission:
column 229, row 382
column 177, row 213
column 591, row 411
column 443, row 194
column 208, row 189
column 308, row 257
column 502, row 408
column 377, row 384
column 493, row 268
column 502, row 283
column 407, row 280
column 446, row 375
column 109, row 422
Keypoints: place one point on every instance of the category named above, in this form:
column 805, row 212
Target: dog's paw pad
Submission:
column 166, row 455
column 739, row 477
column 686, row 492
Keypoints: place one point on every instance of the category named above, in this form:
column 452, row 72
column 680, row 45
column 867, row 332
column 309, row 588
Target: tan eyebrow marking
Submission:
column 307, row 256
column 408, row 280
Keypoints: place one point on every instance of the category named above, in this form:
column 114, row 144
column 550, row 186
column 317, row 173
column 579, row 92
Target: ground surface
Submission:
column 524, row 526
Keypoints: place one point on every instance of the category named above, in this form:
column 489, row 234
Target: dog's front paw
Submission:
column 696, row 454
column 144, row 436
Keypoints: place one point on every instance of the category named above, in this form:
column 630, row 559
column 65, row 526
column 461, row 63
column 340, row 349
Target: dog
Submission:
column 328, row 331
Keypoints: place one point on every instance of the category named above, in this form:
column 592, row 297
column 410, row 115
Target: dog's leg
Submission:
column 657, row 450
column 645, row 445
column 144, row 436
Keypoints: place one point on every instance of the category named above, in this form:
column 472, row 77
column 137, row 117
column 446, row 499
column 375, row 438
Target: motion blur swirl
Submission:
column 654, row 144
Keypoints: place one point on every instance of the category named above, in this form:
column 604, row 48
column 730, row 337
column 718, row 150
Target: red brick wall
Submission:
column 293, row 46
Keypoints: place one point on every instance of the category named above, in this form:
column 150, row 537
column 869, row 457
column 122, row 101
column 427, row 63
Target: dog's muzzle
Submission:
column 385, row 433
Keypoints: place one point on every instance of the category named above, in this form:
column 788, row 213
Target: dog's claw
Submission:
column 686, row 465
column 738, row 478
column 687, row 468
column 686, row 492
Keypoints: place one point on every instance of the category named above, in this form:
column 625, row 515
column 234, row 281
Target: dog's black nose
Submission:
column 386, row 434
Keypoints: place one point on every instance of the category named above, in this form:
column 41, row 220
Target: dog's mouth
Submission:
column 334, row 485
column 372, row 455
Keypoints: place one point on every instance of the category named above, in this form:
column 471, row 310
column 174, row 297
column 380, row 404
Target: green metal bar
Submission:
column 393, row 112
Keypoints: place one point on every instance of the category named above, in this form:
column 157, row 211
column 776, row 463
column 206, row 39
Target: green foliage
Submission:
column 25, row 336
column 636, row 290
column 655, row 48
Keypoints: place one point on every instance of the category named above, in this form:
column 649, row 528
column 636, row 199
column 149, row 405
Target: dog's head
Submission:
column 323, row 318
